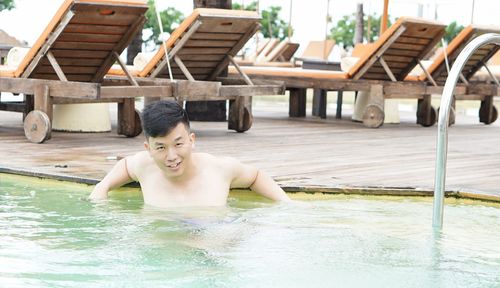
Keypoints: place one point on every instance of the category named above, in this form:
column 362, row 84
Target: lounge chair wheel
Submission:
column 452, row 116
column 137, row 125
column 483, row 115
column 37, row 127
column 432, row 119
column 244, row 125
column 373, row 116
column 247, row 121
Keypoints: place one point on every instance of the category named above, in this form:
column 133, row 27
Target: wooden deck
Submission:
column 322, row 154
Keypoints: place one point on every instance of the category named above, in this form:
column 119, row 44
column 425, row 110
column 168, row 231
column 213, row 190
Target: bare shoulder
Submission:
column 138, row 163
column 139, row 158
column 220, row 162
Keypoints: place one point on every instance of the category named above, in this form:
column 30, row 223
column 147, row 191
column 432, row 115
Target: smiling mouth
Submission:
column 174, row 166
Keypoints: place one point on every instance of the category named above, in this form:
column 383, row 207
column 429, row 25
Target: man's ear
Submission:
column 146, row 145
column 192, row 137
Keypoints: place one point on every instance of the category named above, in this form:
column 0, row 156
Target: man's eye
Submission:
column 179, row 144
column 160, row 148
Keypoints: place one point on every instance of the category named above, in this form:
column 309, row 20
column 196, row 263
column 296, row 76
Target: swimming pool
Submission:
column 50, row 237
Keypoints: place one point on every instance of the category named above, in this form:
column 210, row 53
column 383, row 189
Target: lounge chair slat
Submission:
column 400, row 52
column 71, row 77
column 121, row 8
column 380, row 69
column 413, row 40
column 198, row 57
column 83, row 46
column 202, row 70
column 79, row 53
column 394, row 64
column 96, row 19
column 209, row 43
column 224, row 25
column 407, row 47
column 203, row 51
column 216, row 36
column 73, row 62
column 68, row 69
column 395, row 59
column 197, row 64
column 86, row 37
column 96, row 29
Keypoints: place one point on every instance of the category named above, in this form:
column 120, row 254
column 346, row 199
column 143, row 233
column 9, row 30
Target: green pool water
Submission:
column 50, row 237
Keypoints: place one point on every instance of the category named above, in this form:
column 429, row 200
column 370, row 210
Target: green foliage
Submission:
column 272, row 25
column 169, row 18
column 251, row 7
column 6, row 4
column 452, row 31
column 343, row 31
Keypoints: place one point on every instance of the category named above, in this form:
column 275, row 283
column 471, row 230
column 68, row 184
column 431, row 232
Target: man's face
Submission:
column 172, row 152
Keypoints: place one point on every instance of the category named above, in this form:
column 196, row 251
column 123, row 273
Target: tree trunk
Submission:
column 358, row 31
column 212, row 110
column 134, row 48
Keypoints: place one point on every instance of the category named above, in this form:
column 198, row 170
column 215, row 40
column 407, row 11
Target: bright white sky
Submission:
column 308, row 17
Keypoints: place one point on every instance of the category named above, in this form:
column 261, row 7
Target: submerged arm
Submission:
column 258, row 181
column 267, row 187
column 115, row 178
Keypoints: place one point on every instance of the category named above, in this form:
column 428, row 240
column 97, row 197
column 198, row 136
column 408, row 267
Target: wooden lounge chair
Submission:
column 281, row 55
column 251, row 56
column 283, row 52
column 380, row 70
column 68, row 62
column 317, row 50
column 201, row 49
column 437, row 72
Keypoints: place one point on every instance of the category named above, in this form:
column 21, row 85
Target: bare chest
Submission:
column 208, row 189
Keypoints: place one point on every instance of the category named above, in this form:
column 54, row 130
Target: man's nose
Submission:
column 171, row 154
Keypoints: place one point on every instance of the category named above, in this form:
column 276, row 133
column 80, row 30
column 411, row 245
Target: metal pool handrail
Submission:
column 442, row 137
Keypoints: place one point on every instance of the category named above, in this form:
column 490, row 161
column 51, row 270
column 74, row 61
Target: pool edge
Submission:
column 354, row 190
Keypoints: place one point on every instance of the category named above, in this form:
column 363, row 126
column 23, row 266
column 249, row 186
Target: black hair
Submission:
column 160, row 117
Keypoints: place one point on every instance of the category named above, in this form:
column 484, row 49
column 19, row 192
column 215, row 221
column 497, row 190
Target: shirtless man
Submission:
column 171, row 175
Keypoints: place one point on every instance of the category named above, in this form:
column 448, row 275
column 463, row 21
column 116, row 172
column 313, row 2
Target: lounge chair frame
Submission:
column 237, row 90
column 42, row 94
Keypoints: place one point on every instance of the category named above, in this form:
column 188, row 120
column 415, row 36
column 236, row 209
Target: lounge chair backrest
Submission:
column 203, row 41
column 283, row 51
column 438, row 68
column 401, row 46
column 318, row 50
column 271, row 45
column 83, row 37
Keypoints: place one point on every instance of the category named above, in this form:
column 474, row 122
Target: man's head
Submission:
column 161, row 117
column 168, row 137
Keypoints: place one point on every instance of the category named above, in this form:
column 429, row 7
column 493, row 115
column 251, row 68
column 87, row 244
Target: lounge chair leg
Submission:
column 240, row 115
column 488, row 113
column 373, row 114
column 29, row 105
column 297, row 106
column 129, row 121
column 319, row 103
column 426, row 114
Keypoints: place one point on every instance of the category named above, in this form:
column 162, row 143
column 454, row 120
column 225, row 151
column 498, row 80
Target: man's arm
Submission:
column 115, row 178
column 250, row 177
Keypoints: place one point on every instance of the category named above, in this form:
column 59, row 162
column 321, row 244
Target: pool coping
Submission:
column 347, row 190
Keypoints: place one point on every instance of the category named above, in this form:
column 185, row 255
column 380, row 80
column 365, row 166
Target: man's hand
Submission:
column 100, row 192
